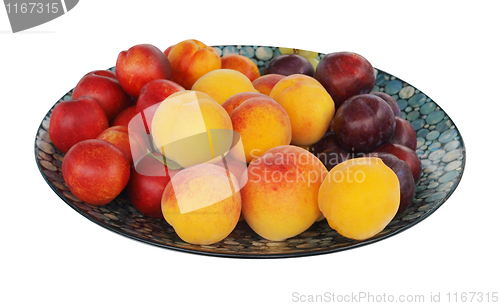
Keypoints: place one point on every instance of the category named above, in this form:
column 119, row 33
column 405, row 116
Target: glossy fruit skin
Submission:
column 403, row 172
column 363, row 122
column 103, row 86
column 326, row 142
column 95, row 171
column 404, row 134
column 76, row 120
column 345, row 74
column 332, row 157
column 406, row 154
column 155, row 92
column 330, row 152
column 190, row 60
column 148, row 180
column 288, row 64
column 390, row 100
column 139, row 65
column 123, row 118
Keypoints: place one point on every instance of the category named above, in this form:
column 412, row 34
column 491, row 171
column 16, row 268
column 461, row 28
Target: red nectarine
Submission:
column 76, row 120
column 103, row 86
column 140, row 65
column 95, row 171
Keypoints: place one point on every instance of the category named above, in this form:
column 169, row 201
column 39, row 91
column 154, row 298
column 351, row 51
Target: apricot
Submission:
column 190, row 128
column 280, row 199
column 308, row 105
column 202, row 204
column 359, row 197
column 242, row 64
column 221, row 84
column 261, row 123
column 191, row 59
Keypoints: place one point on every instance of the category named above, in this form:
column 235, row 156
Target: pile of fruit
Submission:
column 205, row 141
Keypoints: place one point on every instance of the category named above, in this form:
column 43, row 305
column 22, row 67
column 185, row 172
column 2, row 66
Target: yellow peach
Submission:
column 191, row 59
column 221, row 84
column 280, row 199
column 308, row 105
column 242, row 64
column 235, row 100
column 202, row 204
column 359, row 197
column 190, row 128
column 261, row 123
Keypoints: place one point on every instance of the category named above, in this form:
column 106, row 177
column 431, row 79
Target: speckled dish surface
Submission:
column 440, row 148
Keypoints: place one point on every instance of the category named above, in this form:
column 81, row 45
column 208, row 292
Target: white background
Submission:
column 51, row 255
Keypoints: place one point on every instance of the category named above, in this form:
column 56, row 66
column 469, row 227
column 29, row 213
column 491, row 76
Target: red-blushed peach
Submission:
column 359, row 197
column 235, row 100
column 190, row 128
column 95, row 171
column 76, row 120
column 308, row 105
column 261, row 123
column 202, row 204
column 265, row 83
column 190, row 60
column 140, row 65
column 221, row 84
column 280, row 198
column 148, row 180
column 120, row 137
column 103, row 86
column 124, row 117
column 242, row 64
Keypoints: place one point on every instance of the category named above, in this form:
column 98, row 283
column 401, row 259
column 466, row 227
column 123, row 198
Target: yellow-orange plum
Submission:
column 359, row 197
